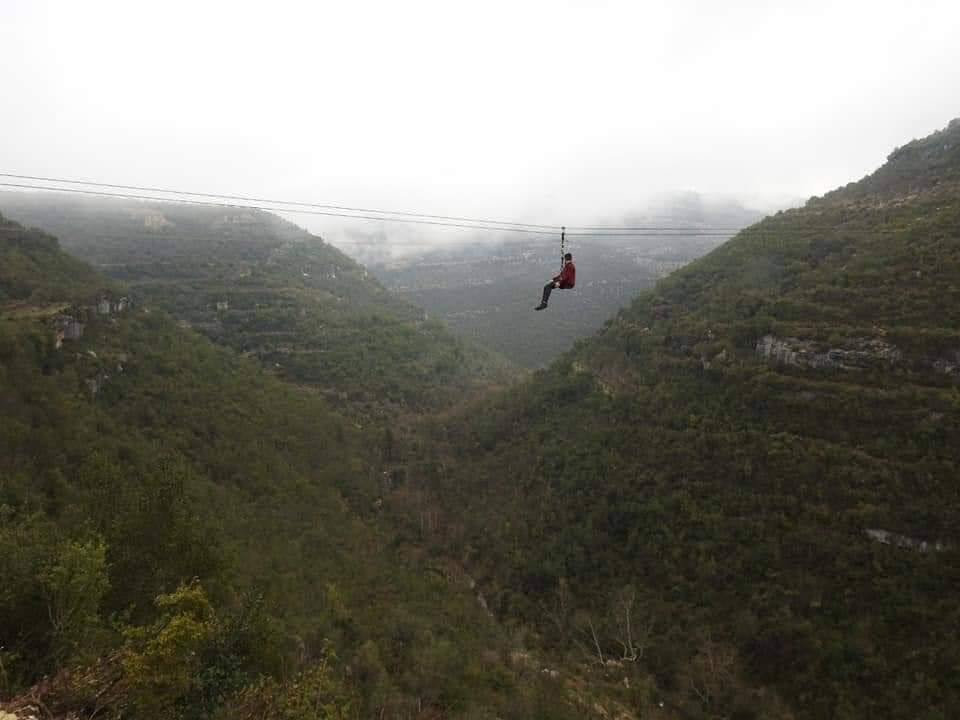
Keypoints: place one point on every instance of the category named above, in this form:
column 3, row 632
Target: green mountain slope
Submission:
column 34, row 268
column 175, row 543
column 745, row 488
column 261, row 285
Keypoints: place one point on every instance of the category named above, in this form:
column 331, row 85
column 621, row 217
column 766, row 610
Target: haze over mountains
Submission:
column 754, row 467
column 283, row 438
column 485, row 291
column 174, row 528
column 240, row 478
column 267, row 289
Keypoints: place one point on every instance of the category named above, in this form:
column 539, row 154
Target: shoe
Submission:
column 541, row 306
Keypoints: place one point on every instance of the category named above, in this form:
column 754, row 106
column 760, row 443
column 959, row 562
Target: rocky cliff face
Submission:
column 885, row 537
column 861, row 354
column 948, row 366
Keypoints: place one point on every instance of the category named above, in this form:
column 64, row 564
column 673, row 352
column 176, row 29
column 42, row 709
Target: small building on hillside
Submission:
column 222, row 305
column 66, row 328
column 60, row 322
column 97, row 382
column 74, row 330
column 103, row 306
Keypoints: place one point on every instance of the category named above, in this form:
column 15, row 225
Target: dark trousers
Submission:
column 547, row 289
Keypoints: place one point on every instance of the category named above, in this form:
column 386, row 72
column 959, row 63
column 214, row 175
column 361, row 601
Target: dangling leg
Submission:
column 547, row 289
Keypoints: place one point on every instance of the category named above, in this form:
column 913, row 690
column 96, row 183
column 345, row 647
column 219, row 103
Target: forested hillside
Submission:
column 268, row 289
column 175, row 539
column 738, row 500
column 35, row 270
column 743, row 494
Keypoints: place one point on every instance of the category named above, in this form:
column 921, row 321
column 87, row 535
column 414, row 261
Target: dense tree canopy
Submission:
column 738, row 500
column 726, row 455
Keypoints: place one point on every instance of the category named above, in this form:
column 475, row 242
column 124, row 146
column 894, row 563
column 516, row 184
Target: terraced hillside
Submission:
column 745, row 490
column 270, row 290
column 175, row 540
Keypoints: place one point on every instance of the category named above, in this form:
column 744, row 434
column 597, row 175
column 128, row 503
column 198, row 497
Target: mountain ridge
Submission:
column 178, row 539
column 738, row 499
column 259, row 284
column 718, row 452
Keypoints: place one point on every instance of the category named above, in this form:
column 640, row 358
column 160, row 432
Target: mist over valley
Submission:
column 291, row 430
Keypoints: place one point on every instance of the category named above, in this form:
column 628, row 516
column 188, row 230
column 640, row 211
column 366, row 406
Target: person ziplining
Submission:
column 568, row 273
column 564, row 281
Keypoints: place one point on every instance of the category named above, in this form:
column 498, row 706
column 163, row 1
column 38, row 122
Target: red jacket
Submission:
column 568, row 276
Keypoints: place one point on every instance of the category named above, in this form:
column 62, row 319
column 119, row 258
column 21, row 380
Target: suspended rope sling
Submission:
column 563, row 245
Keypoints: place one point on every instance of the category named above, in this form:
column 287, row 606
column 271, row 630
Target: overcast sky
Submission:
column 554, row 111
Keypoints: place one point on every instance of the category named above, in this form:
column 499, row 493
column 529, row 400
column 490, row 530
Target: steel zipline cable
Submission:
column 136, row 192
column 346, row 208
column 646, row 232
column 294, row 203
